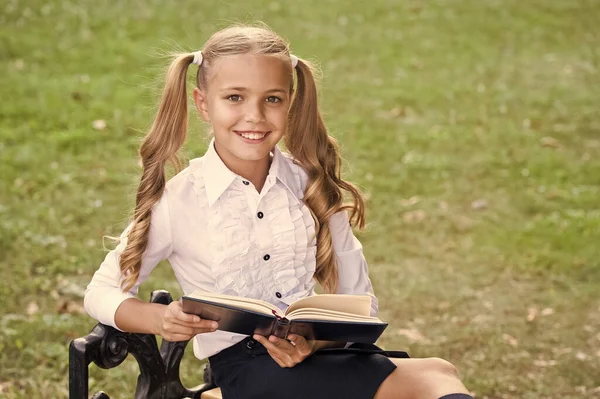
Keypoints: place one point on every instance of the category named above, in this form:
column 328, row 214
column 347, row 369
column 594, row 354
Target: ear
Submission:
column 201, row 104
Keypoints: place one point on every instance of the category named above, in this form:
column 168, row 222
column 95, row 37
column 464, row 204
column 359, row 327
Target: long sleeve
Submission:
column 104, row 294
column 352, row 266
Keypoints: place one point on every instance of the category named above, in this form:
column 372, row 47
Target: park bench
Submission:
column 159, row 377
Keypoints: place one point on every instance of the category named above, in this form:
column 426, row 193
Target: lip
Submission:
column 250, row 141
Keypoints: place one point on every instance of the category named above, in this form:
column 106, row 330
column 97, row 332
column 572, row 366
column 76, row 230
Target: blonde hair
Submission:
column 306, row 139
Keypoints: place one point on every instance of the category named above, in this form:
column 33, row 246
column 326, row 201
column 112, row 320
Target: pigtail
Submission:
column 166, row 136
column 310, row 144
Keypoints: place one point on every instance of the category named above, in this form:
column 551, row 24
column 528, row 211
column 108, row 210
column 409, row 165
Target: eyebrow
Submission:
column 245, row 89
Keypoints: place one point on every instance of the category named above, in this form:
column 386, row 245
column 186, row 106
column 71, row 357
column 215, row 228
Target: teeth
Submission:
column 253, row 136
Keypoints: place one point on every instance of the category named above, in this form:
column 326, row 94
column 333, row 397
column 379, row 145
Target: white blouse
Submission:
column 220, row 235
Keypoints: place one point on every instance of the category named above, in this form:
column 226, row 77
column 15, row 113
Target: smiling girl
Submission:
column 247, row 219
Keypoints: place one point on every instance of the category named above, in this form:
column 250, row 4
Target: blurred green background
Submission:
column 471, row 126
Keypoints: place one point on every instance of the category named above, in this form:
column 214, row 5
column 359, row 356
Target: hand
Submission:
column 175, row 325
column 287, row 352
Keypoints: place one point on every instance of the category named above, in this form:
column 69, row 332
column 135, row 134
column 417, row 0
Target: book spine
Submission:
column 281, row 327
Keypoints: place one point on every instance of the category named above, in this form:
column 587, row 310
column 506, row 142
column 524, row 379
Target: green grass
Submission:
column 483, row 112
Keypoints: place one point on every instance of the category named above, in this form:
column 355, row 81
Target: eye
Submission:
column 273, row 99
column 235, row 98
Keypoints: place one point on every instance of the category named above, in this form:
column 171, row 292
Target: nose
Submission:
column 254, row 112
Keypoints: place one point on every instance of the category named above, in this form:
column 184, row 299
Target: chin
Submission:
column 255, row 155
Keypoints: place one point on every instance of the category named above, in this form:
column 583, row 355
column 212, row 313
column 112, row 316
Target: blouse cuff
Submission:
column 110, row 298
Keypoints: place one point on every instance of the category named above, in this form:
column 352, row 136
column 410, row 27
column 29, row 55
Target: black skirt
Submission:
column 247, row 371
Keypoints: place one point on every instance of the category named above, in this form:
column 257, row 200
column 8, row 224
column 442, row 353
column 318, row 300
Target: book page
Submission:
column 324, row 314
column 255, row 305
column 353, row 304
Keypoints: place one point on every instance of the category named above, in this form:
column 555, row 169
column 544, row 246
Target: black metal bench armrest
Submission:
column 108, row 347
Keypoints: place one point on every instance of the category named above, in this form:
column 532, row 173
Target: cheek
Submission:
column 279, row 117
column 223, row 115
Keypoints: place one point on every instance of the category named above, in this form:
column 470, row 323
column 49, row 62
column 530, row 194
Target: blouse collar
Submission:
column 218, row 177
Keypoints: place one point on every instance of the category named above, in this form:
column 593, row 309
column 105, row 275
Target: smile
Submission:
column 252, row 136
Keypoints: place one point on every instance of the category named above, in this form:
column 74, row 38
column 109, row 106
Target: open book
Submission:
column 329, row 317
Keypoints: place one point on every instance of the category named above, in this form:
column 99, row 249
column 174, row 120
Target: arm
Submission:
column 170, row 321
column 104, row 296
column 106, row 301
column 137, row 316
column 352, row 267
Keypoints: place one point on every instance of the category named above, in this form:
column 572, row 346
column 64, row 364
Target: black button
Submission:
column 278, row 294
column 267, row 257
column 260, row 215
column 245, row 182
column 250, row 344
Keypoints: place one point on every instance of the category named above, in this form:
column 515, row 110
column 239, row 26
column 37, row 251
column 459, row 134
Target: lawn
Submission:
column 471, row 126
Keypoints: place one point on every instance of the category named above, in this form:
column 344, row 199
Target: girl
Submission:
column 247, row 220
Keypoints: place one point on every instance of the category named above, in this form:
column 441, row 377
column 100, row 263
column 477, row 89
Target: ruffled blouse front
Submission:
column 221, row 235
column 272, row 257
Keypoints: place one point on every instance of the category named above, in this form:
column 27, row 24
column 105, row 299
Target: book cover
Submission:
column 234, row 315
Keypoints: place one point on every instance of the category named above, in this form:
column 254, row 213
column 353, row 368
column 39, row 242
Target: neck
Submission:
column 253, row 171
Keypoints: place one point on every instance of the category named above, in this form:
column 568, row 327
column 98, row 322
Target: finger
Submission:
column 263, row 341
column 300, row 343
column 285, row 345
column 270, row 346
column 176, row 311
column 296, row 339
column 178, row 316
column 289, row 353
column 271, row 349
column 203, row 324
column 203, row 330
column 282, row 362
column 172, row 329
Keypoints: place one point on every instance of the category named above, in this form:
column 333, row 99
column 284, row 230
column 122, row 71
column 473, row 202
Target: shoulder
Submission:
column 185, row 185
column 191, row 174
column 297, row 170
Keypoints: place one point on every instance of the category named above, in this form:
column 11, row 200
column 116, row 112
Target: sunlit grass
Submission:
column 471, row 126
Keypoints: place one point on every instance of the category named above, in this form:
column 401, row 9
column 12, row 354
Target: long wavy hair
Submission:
column 306, row 140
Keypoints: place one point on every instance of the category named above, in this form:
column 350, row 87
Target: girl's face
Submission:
column 247, row 103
